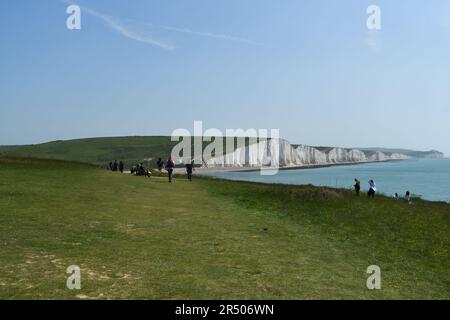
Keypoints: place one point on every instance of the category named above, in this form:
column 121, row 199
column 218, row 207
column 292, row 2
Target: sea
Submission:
column 425, row 178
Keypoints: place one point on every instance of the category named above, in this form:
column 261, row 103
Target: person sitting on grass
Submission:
column 145, row 172
column 372, row 189
column 396, row 197
column 408, row 197
column 141, row 169
column 136, row 169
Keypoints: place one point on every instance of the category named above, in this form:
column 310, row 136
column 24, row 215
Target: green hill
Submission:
column 98, row 151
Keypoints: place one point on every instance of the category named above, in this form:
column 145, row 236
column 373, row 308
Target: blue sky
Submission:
column 310, row 68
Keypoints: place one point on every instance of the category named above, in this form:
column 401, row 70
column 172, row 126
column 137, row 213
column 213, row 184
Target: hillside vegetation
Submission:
column 100, row 151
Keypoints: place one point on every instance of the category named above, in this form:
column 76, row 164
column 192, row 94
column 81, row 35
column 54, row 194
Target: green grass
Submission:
column 100, row 151
column 210, row 239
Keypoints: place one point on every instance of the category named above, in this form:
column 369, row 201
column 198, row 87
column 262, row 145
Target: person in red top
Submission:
column 170, row 165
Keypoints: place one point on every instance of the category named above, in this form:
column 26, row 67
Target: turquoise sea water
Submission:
column 428, row 178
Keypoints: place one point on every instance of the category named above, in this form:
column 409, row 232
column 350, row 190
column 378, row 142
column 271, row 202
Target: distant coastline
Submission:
column 201, row 170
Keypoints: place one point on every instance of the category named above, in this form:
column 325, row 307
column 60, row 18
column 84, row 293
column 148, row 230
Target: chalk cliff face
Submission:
column 279, row 152
column 433, row 154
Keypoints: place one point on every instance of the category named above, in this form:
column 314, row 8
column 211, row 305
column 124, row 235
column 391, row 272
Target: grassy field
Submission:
column 146, row 239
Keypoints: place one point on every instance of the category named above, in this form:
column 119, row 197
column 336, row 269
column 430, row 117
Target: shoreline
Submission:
column 207, row 170
column 210, row 174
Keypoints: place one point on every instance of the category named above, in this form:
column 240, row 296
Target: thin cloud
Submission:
column 117, row 26
column 208, row 34
column 143, row 36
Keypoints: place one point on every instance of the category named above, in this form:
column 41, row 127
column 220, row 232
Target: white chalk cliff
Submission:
column 279, row 152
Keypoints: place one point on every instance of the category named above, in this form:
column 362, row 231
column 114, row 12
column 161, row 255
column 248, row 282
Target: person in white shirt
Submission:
column 372, row 189
column 408, row 197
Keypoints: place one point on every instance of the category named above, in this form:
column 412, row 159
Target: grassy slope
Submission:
column 143, row 238
column 100, row 151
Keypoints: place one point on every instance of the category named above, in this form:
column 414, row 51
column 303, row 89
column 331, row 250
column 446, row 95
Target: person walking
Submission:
column 189, row 169
column 170, row 165
column 115, row 165
column 121, row 167
column 357, row 186
column 372, row 189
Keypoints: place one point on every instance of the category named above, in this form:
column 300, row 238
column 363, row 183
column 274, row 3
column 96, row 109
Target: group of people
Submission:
column 140, row 170
column 137, row 170
column 407, row 197
column 373, row 189
column 115, row 166
column 169, row 165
